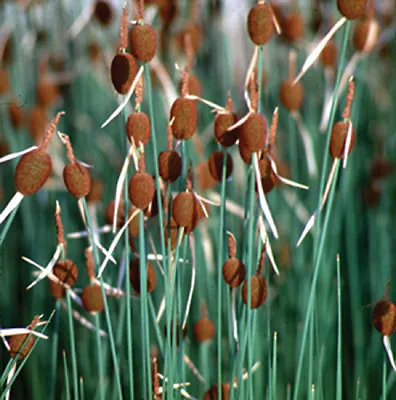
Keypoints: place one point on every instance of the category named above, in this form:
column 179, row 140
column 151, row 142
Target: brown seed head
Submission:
column 92, row 298
column 96, row 193
column 293, row 27
column 103, row 12
column 141, row 190
column 260, row 24
column 234, row 272
column 4, row 81
column 77, row 179
column 253, row 132
column 291, row 96
column 32, row 171
column 138, row 127
column 212, row 393
column 37, row 121
column 171, row 233
column 143, row 42
column 352, row 9
column 258, row 292
column 193, row 85
column 134, row 275
column 18, row 348
column 185, row 113
column 169, row 165
column 16, row 115
column 216, row 165
column 329, row 54
column 57, row 290
column 66, row 271
column 245, row 153
column 366, row 34
column 384, row 317
column 204, row 330
column 183, row 208
column 109, row 213
column 204, row 178
column 338, row 139
column 123, row 71
column 46, row 93
column 221, row 124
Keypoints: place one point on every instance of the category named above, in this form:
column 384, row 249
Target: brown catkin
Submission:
column 4, row 81
column 185, row 123
column 77, row 179
column 183, row 208
column 103, row 12
column 234, row 272
column 352, row 9
column 212, row 393
column 253, row 133
column 92, row 298
column 384, row 317
column 338, row 139
column 18, row 348
column 204, row 330
column 134, row 275
column 141, row 190
column 123, row 70
column 66, row 271
column 268, row 178
column 245, row 153
column 221, row 124
column 57, row 290
column 133, row 227
column 46, row 93
column 216, row 165
column 329, row 54
column 143, row 42
column 169, row 165
column 293, row 27
column 96, row 193
column 37, row 121
column 16, row 115
column 138, row 127
column 193, row 85
column 258, row 292
column 291, row 96
column 259, row 23
column 32, row 171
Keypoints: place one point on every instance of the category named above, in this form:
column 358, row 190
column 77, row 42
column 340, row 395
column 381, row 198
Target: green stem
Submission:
column 72, row 344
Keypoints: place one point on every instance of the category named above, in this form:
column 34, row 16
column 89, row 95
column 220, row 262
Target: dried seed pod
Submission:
column 92, row 298
column 366, row 34
column 143, row 42
column 103, row 12
column 384, row 317
column 253, row 133
column 37, row 121
column 245, row 153
column 380, row 168
column 193, row 85
column 138, row 127
column 123, row 71
column 109, row 213
column 204, row 330
column 268, row 178
column 212, row 393
column 329, row 54
column 134, row 275
column 258, row 292
column 185, row 123
column 184, row 209
column 96, row 193
column 221, row 124
column 4, row 81
column 46, row 93
column 234, row 272
column 293, row 27
column 216, row 165
column 66, row 271
column 141, row 190
column 57, row 290
column 133, row 227
column 291, row 96
column 260, row 24
column 16, row 115
column 32, row 171
column 204, row 178
column 16, row 344
column 77, row 179
column 338, row 139
column 94, row 51
column 352, row 9
column 169, row 165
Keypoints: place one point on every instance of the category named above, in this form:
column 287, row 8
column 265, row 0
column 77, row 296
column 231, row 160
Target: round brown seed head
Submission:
column 138, row 127
column 143, row 42
column 365, row 35
column 293, row 27
column 221, row 124
column 245, row 153
column 183, row 208
column 234, row 272
column 212, row 393
column 253, row 132
column 123, row 71
column 216, row 165
column 169, row 165
column 141, row 190
column 96, row 192
column 204, row 330
column 258, row 292
column 32, row 171
column 46, row 93
column 384, row 317
column 17, row 348
column 57, row 290
column 109, row 213
column 92, row 298
column 259, row 23
column 133, row 227
column 4, row 81
column 77, row 179
column 329, row 54
column 66, row 271
column 185, row 123
column 16, row 115
column 37, row 121
column 268, row 178
column 193, row 85
column 351, row 9
column 291, row 96
column 204, row 178
column 134, row 275
column 338, row 139
column 380, row 168
column 103, row 12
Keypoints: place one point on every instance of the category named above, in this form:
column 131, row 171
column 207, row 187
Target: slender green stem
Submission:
column 8, row 224
column 339, row 333
column 54, row 355
column 274, row 365
column 66, row 377
column 99, row 352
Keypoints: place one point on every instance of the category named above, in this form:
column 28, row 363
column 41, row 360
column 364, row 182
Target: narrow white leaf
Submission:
column 207, row 102
column 17, row 154
column 285, row 180
column 388, row 348
column 13, row 203
column 347, row 145
column 21, row 331
column 307, row 228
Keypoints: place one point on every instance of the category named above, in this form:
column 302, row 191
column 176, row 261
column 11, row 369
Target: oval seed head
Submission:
column 380, row 168
column 329, row 54
column 253, row 132
column 212, row 393
column 185, row 123
column 338, row 139
column 268, row 178
column 103, row 12
column 351, row 9
column 133, row 227
column 259, row 23
column 258, row 292
column 16, row 115
column 245, row 153
column 293, row 27
column 32, row 171
column 384, row 317
column 193, row 85
column 194, row 30
column 365, row 35
column 16, row 343
column 221, row 124
column 123, row 71
column 169, row 165
column 183, row 208
column 204, row 178
column 138, row 127
column 92, row 298
column 234, row 272
column 204, row 330
column 134, row 275
column 46, row 93
column 109, row 213
column 96, row 193
column 4, row 81
column 216, row 165
column 141, row 190
column 77, row 179
column 143, row 42
column 57, row 290
column 37, row 121
column 66, row 271
column 291, row 96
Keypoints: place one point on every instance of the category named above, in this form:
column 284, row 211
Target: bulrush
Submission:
column 234, row 270
column 204, row 329
column 352, row 9
column 169, row 161
column 134, row 275
column 260, row 23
